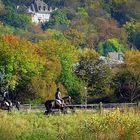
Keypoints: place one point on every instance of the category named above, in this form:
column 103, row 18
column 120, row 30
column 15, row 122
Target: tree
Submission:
column 127, row 79
column 61, row 53
column 58, row 20
column 20, row 60
column 127, row 85
column 81, row 12
column 133, row 29
column 111, row 45
column 100, row 29
column 11, row 17
column 123, row 10
column 132, row 60
column 1, row 6
column 49, row 35
column 77, row 38
column 95, row 74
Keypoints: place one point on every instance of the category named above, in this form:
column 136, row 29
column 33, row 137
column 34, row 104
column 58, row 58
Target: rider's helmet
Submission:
column 58, row 89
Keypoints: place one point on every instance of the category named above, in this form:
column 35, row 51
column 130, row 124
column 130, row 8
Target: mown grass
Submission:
column 115, row 124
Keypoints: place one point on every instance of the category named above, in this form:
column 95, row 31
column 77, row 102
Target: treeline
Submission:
column 65, row 51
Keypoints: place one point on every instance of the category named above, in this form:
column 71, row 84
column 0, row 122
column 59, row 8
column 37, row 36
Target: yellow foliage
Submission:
column 75, row 36
column 88, row 53
column 132, row 60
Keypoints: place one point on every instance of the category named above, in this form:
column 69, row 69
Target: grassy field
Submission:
column 83, row 125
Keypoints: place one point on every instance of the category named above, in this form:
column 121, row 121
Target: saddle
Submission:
column 59, row 102
column 8, row 103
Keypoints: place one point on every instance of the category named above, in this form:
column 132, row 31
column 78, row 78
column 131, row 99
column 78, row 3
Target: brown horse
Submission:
column 52, row 105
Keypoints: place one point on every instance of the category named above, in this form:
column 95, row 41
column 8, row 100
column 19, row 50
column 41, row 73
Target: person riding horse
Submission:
column 59, row 103
column 51, row 105
column 6, row 98
column 58, row 98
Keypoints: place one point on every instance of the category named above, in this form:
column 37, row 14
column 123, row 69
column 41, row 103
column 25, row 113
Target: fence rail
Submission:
column 82, row 106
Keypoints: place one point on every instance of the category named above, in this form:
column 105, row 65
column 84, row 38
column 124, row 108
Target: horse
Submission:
column 16, row 104
column 50, row 105
column 8, row 101
column 8, row 105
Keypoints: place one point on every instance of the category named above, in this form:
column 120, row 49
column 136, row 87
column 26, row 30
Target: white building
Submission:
column 113, row 59
column 38, row 9
column 118, row 56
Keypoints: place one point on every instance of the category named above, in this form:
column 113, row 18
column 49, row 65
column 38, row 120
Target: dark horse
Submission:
column 8, row 100
column 53, row 105
column 5, row 105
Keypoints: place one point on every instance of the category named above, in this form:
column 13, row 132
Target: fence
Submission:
column 27, row 107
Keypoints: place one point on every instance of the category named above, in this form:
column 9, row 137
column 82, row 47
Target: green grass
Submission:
column 82, row 125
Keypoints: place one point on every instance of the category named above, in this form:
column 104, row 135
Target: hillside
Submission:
column 36, row 59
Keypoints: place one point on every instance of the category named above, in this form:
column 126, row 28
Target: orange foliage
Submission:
column 9, row 38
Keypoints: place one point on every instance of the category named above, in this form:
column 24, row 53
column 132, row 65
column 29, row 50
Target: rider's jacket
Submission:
column 58, row 95
column 6, row 95
column 7, row 98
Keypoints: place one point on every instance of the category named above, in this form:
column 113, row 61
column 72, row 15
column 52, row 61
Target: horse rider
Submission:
column 58, row 97
column 7, row 98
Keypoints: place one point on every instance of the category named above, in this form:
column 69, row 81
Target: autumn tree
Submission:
column 76, row 37
column 20, row 60
column 132, row 60
column 61, row 56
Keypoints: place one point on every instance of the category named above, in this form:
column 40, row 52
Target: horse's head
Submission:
column 67, row 100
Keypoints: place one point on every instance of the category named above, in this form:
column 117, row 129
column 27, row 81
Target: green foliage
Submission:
column 127, row 85
column 96, row 74
column 130, row 27
column 60, row 17
column 36, row 101
column 55, row 3
column 49, row 34
column 11, row 17
column 63, row 55
column 133, row 29
column 4, row 29
column 123, row 10
column 111, row 45
column 57, row 20
column 18, row 60
column 81, row 12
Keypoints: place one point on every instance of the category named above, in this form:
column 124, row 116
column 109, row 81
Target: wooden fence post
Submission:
column 30, row 107
column 101, row 107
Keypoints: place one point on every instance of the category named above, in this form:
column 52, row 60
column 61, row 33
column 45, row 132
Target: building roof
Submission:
column 36, row 6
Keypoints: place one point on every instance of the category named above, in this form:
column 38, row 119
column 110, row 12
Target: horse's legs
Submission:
column 63, row 110
column 17, row 105
column 48, row 110
column 9, row 108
